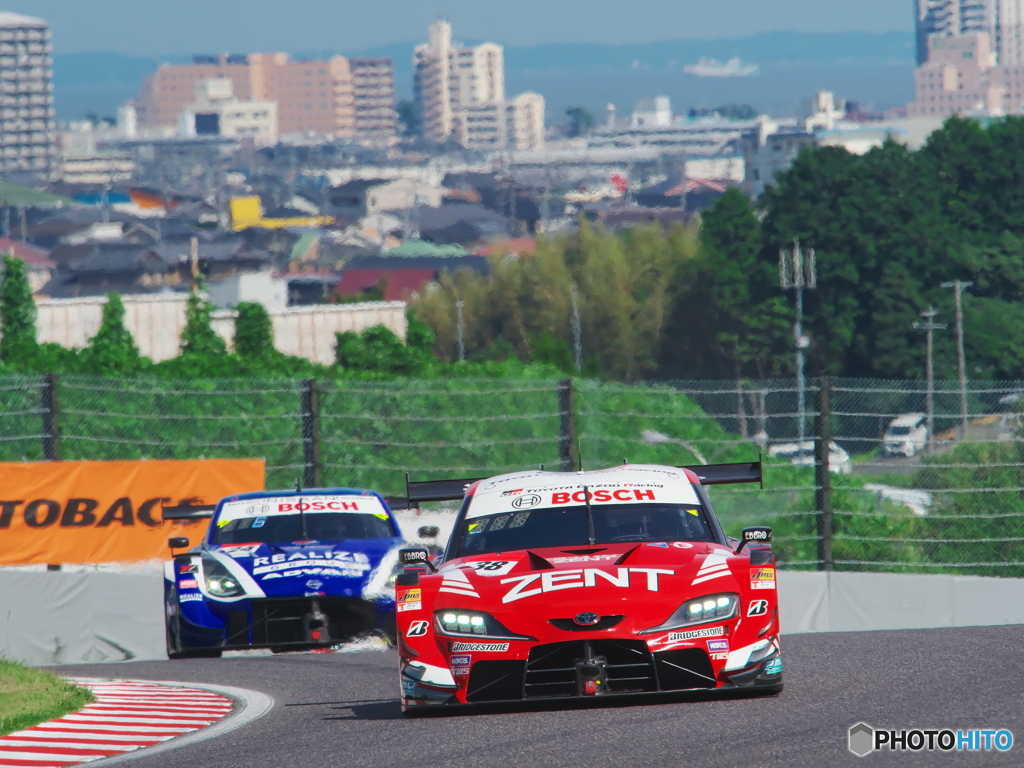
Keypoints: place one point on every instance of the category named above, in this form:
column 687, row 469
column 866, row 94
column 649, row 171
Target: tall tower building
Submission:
column 1009, row 40
column 460, row 91
column 27, row 128
column 1001, row 20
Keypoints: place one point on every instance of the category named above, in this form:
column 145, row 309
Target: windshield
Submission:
column 568, row 527
column 321, row 526
column 898, row 431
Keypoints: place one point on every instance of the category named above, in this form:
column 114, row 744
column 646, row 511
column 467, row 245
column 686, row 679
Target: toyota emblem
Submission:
column 586, row 619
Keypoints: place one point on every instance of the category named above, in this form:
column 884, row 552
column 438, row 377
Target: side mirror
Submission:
column 415, row 556
column 177, row 542
column 428, row 531
column 758, row 535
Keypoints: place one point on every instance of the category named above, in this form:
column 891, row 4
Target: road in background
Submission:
column 342, row 709
column 989, row 429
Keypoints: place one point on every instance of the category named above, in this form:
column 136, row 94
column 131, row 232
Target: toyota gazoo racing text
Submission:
column 616, row 581
column 282, row 570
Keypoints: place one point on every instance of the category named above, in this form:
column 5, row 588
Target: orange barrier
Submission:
column 109, row 511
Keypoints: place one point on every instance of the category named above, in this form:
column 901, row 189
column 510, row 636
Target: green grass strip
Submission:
column 30, row 696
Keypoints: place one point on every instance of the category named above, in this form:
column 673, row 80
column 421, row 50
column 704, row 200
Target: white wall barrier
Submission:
column 68, row 617
column 73, row 618
column 156, row 322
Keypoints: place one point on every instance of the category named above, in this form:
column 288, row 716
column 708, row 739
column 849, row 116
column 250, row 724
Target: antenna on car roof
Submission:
column 625, row 462
column 579, row 452
column 302, row 511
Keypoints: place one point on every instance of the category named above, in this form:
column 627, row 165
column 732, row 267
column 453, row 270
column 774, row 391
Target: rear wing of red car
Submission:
column 418, row 491
column 727, row 474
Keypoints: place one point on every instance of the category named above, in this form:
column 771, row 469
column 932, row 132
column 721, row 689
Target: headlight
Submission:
column 219, row 582
column 458, row 623
column 699, row 611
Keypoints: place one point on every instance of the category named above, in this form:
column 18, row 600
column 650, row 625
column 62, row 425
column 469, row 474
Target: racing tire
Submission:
column 175, row 649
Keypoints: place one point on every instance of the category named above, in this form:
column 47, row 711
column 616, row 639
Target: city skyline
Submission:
column 251, row 25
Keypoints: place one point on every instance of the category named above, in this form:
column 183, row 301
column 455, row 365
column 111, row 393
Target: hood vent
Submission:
column 538, row 563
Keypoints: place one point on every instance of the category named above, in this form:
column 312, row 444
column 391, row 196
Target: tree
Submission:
column 199, row 339
column 580, row 121
column 112, row 351
column 408, row 118
column 254, row 331
column 619, row 284
column 17, row 312
column 727, row 320
column 378, row 350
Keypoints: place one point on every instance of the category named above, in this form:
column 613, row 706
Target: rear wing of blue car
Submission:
column 196, row 512
column 419, row 491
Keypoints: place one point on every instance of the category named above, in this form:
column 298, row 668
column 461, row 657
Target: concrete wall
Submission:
column 65, row 618
column 156, row 323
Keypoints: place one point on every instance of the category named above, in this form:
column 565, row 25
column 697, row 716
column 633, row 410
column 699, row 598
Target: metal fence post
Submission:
column 51, row 418
column 823, row 475
column 567, row 431
column 312, row 475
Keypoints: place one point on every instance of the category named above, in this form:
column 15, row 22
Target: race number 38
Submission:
column 492, row 567
column 417, row 628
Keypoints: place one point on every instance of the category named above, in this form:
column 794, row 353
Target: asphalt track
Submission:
column 342, row 710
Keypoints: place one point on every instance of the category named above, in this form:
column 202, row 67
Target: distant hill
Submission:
column 874, row 69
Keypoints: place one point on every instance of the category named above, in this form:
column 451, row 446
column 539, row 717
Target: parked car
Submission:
column 802, row 455
column 906, row 435
column 608, row 582
column 1011, row 401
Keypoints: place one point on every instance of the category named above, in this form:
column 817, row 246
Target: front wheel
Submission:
column 172, row 635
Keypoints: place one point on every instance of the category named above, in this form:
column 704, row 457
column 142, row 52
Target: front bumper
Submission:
column 899, row 449
column 584, row 669
column 293, row 622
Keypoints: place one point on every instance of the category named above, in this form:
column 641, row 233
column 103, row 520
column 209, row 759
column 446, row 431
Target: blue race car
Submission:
column 285, row 570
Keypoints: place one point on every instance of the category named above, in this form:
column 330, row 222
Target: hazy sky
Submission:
column 185, row 26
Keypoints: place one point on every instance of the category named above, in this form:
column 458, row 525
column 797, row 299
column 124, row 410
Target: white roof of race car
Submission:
column 625, row 484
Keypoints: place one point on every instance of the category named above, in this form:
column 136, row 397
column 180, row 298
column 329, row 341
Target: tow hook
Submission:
column 591, row 674
column 317, row 624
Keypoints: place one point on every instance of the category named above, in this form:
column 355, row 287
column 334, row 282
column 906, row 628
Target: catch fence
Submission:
column 956, row 505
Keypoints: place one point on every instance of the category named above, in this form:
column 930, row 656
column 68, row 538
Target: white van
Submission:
column 906, row 435
column 802, row 455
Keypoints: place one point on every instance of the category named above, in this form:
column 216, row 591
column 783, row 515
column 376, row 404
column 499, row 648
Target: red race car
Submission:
column 578, row 584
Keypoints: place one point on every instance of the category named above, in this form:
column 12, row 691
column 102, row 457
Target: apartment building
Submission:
column 459, row 93
column 312, row 96
column 961, row 77
column 27, row 127
column 217, row 112
column 373, row 82
column 1001, row 20
column 524, row 121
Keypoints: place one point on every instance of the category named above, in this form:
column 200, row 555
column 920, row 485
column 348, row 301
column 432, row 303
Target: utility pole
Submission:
column 577, row 331
column 799, row 271
column 958, row 287
column 458, row 321
column 928, row 326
